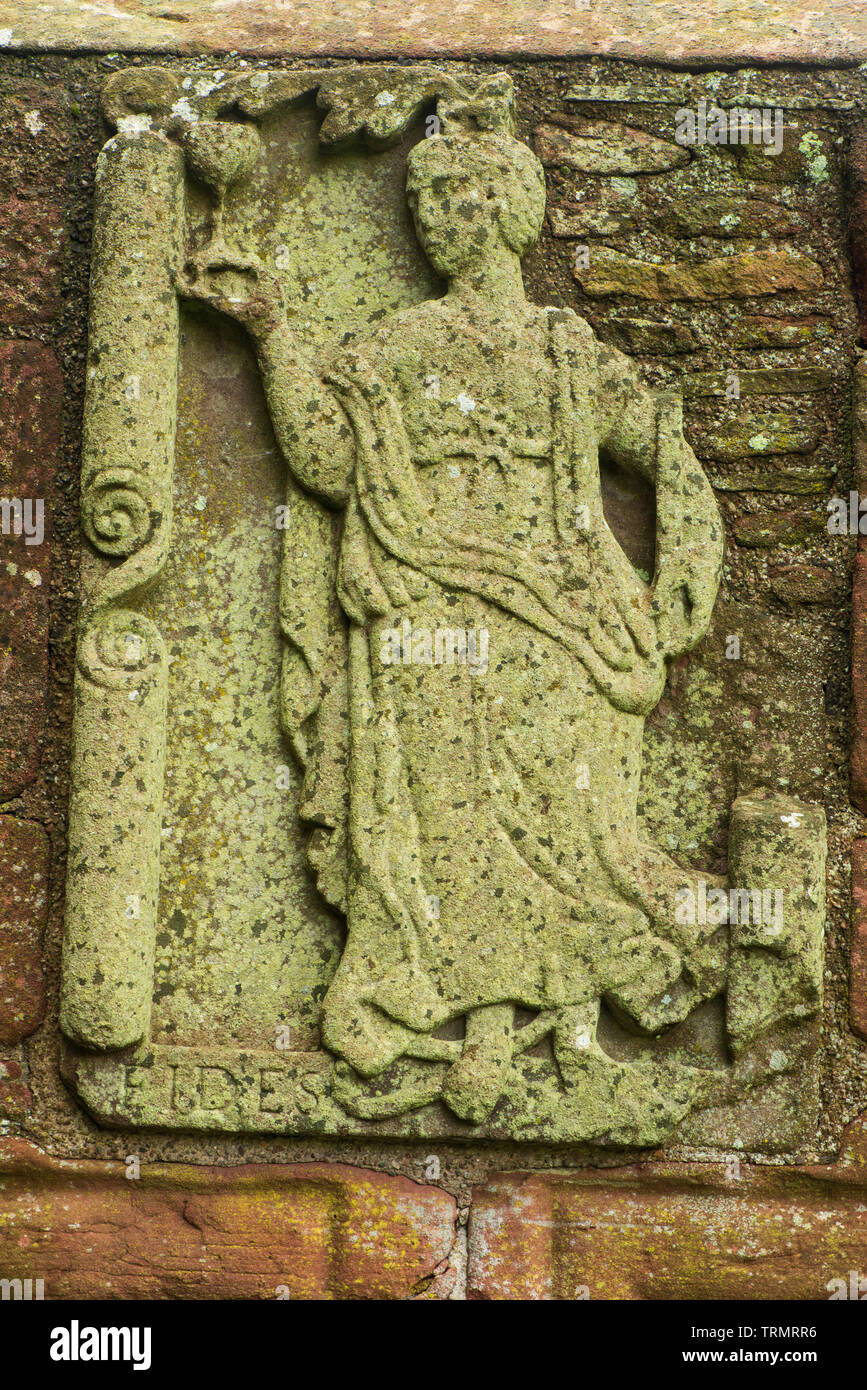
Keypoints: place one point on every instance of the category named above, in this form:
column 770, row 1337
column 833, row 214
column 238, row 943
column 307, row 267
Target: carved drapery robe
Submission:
column 480, row 830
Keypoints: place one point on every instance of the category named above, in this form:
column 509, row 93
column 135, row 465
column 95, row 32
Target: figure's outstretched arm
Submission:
column 309, row 422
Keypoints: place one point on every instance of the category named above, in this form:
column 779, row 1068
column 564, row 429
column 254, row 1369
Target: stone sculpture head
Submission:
column 475, row 184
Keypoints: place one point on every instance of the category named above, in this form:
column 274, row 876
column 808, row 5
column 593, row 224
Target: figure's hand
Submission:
column 244, row 289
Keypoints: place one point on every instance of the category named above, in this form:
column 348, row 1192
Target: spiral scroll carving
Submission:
column 118, row 512
column 120, row 648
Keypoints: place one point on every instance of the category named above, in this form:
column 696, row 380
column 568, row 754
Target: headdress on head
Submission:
column 477, row 141
column 491, row 109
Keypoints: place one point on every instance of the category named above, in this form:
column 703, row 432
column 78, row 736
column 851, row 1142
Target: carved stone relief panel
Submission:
column 362, row 830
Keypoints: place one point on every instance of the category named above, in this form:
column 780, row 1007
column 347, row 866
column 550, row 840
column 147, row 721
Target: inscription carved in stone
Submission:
column 364, row 667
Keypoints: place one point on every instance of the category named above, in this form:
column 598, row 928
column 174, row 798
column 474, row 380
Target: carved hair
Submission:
column 501, row 166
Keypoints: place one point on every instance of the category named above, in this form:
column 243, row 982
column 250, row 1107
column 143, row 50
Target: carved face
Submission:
column 465, row 193
column 456, row 215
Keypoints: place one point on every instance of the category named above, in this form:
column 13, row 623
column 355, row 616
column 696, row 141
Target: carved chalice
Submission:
column 220, row 154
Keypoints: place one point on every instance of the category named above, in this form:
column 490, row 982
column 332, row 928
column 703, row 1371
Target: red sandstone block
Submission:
column 858, row 749
column 858, row 220
column 858, row 755
column 304, row 1231
column 766, row 31
column 667, row 1232
column 32, row 245
column 858, row 948
column 16, row 1097
column 24, row 860
column 34, row 156
column 31, row 388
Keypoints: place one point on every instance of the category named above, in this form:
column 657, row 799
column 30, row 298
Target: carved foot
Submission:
column 637, row 1102
column 476, row 1082
column 408, row 1086
column 363, row 1035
